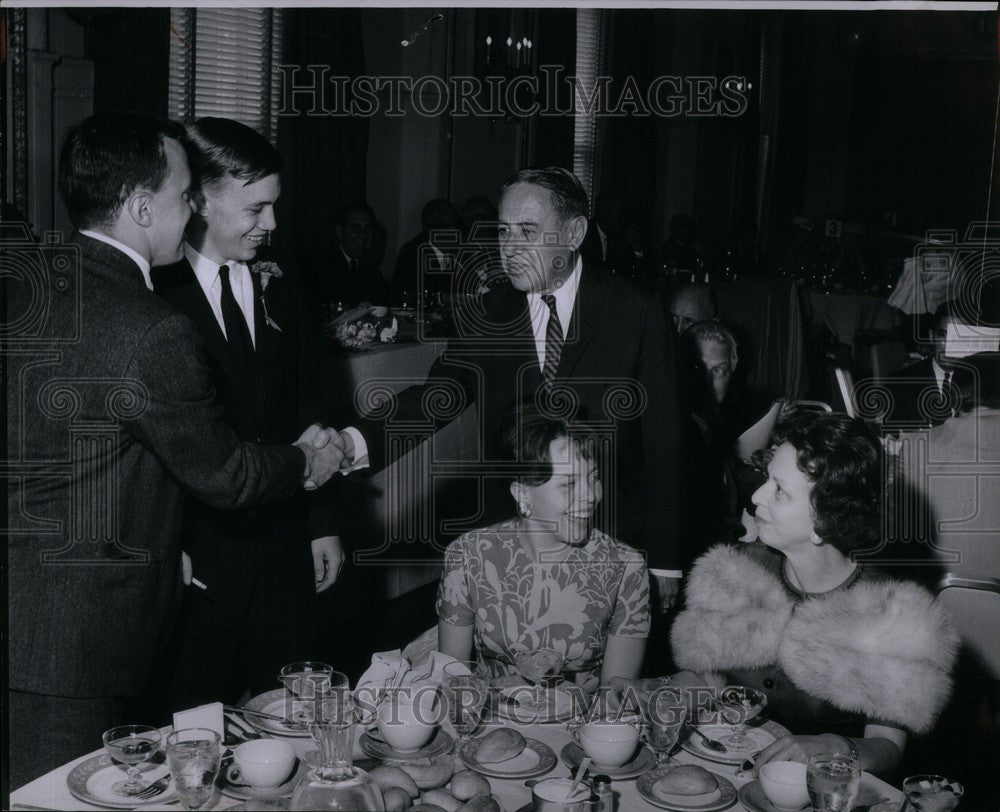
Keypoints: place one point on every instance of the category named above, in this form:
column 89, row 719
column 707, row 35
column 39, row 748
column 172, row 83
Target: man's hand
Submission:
column 328, row 558
column 798, row 748
column 187, row 570
column 324, row 450
column 348, row 449
column 668, row 589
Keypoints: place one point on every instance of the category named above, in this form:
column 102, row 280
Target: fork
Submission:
column 154, row 789
column 711, row 744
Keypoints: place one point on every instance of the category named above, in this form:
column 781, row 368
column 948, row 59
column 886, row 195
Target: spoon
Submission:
column 711, row 744
column 580, row 772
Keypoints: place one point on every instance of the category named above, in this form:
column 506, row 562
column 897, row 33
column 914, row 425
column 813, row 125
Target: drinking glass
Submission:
column 740, row 704
column 306, row 682
column 194, row 756
column 465, row 696
column 664, row 711
column 833, row 781
column 932, row 793
column 539, row 666
column 132, row 745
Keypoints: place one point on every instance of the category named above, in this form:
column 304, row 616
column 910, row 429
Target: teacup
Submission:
column 406, row 720
column 609, row 744
column 261, row 763
column 553, row 795
column 784, row 784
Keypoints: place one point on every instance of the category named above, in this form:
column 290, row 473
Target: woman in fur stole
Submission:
column 849, row 659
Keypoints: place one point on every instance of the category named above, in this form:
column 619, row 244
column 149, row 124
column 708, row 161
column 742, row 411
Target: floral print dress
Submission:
column 570, row 605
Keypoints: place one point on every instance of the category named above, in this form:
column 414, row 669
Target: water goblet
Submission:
column 540, row 667
column 739, row 704
column 306, row 682
column 194, row 756
column 664, row 710
column 932, row 793
column 833, row 781
column 132, row 745
column 465, row 696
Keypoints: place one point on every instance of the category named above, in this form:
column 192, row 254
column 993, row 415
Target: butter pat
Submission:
column 209, row 716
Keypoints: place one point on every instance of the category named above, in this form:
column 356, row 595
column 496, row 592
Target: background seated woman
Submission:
column 849, row 659
column 547, row 579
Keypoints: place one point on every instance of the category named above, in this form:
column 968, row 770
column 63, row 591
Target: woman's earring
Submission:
column 523, row 509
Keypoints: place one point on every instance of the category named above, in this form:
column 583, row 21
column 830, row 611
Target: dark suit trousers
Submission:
column 47, row 731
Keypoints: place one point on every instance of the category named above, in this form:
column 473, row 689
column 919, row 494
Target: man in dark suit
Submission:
column 353, row 275
column 424, row 262
column 568, row 335
column 111, row 418
column 249, row 612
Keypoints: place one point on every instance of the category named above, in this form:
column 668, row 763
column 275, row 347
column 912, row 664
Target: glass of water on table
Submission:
column 193, row 756
column 833, row 781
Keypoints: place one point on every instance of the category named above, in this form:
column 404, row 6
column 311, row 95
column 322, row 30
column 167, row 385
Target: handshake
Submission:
column 327, row 451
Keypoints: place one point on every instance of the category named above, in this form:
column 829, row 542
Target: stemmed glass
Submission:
column 132, row 745
column 740, row 704
column 194, row 756
column 664, row 711
column 307, row 681
column 465, row 695
column 540, row 667
column 932, row 793
column 833, row 781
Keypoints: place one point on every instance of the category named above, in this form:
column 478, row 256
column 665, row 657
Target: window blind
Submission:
column 222, row 64
column 590, row 58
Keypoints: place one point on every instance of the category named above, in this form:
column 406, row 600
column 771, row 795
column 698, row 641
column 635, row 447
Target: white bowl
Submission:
column 784, row 784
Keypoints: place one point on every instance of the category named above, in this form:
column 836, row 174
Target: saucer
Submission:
column 642, row 761
column 273, row 702
column 713, row 801
column 758, row 737
column 91, row 781
column 375, row 747
column 753, row 798
column 284, row 790
column 536, row 759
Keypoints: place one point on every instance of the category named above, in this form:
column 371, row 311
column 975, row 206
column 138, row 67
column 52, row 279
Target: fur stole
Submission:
column 882, row 649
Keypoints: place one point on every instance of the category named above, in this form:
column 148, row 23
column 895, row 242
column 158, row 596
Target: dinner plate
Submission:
column 516, row 703
column 284, row 790
column 643, row 761
column 872, row 789
column 375, row 747
column 724, row 797
column 759, row 737
column 273, row 702
column 92, row 779
column 536, row 759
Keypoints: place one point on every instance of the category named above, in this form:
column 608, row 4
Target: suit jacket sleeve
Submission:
column 660, row 440
column 181, row 423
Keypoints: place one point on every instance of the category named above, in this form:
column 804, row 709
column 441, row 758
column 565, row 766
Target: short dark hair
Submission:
column 107, row 157
column 567, row 192
column 351, row 208
column 221, row 147
column 703, row 296
column 525, row 436
column 843, row 458
column 977, row 378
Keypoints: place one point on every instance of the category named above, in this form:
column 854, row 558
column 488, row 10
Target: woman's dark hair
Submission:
column 220, row 147
column 525, row 436
column 568, row 194
column 842, row 456
column 106, row 157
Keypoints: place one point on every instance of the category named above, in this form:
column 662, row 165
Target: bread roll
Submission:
column 500, row 745
column 688, row 779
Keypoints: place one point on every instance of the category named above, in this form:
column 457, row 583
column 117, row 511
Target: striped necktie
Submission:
column 553, row 341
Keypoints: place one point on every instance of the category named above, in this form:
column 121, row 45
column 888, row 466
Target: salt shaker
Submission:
column 602, row 789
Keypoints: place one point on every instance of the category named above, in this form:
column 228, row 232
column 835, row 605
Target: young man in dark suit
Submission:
column 111, row 418
column 249, row 612
column 569, row 336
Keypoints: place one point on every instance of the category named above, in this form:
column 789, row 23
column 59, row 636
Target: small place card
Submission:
column 208, row 716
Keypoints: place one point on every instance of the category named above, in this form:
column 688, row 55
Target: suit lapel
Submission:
column 266, row 339
column 187, row 295
column 588, row 313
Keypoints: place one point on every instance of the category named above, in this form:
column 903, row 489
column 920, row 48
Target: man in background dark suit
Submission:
column 610, row 357
column 352, row 274
column 439, row 237
column 110, row 418
column 249, row 612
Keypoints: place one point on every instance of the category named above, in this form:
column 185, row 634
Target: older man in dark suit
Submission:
column 249, row 612
column 111, row 417
column 574, row 339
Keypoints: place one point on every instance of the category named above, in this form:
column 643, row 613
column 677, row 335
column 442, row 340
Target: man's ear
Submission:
column 576, row 230
column 735, row 359
column 140, row 207
column 199, row 203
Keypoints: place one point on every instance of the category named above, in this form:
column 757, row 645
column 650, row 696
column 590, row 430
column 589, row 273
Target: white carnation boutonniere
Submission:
column 267, row 270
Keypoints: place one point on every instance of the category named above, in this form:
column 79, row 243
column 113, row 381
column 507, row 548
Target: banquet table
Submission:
column 50, row 791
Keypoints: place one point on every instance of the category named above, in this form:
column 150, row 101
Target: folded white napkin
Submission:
column 391, row 670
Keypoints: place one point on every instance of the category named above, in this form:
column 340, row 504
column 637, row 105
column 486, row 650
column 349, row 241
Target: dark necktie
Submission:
column 553, row 340
column 237, row 332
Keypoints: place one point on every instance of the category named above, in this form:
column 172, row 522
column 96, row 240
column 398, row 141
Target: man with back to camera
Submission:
column 248, row 615
column 113, row 416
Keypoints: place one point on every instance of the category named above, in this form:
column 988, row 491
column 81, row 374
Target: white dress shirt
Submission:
column 539, row 311
column 207, row 273
column 130, row 253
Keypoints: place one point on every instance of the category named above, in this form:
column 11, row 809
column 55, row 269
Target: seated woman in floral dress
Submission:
column 849, row 659
column 549, row 578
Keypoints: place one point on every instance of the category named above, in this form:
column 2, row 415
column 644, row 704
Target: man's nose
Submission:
column 267, row 220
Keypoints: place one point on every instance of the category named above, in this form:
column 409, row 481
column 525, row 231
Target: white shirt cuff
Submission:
column 667, row 573
column 360, row 460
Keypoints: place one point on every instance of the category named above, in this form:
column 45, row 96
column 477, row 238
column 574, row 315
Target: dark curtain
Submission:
column 325, row 155
column 130, row 49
